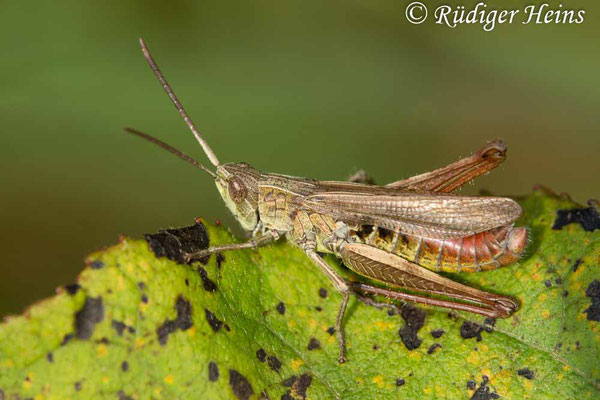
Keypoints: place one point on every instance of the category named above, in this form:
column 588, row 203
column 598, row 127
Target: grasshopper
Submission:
column 399, row 234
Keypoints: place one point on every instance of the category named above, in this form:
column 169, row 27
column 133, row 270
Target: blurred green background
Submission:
column 307, row 88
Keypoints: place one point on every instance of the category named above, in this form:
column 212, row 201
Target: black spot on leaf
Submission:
column 483, row 392
column 67, row 338
column 175, row 243
column 433, row 347
column 548, row 283
column 274, row 363
column 184, row 313
column 323, row 293
column 400, row 382
column 213, row 321
column 141, row 285
column 261, row 354
column 72, row 288
column 96, row 264
column 220, row 258
column 331, row 330
column 77, row 386
column 90, row 314
column 437, row 333
column 588, row 218
column 313, row 344
column 576, row 265
column 118, row 326
column 298, row 386
column 280, row 308
column 239, row 385
column 471, row 384
column 213, row 371
column 165, row 330
column 526, row 373
column 50, row 357
column 488, row 325
column 470, row 329
column 415, row 319
column 124, row 366
column 209, row 285
column 123, row 396
column 593, row 292
column 182, row 322
column 144, row 298
column 289, row 381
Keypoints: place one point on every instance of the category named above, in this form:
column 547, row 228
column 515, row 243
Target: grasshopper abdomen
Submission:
column 485, row 250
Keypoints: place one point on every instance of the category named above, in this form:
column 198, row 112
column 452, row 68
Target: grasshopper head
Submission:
column 238, row 185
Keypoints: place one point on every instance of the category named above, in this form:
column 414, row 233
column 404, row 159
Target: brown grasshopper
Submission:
column 398, row 234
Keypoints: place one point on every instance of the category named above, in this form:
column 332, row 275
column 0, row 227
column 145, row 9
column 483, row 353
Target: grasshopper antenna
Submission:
column 171, row 149
column 209, row 153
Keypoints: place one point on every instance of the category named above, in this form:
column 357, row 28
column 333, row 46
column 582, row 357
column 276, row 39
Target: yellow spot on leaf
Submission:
column 158, row 391
column 528, row 385
column 313, row 323
column 542, row 297
column 473, row 357
column 105, row 379
column 192, row 331
column 566, row 368
column 359, row 380
column 546, row 314
column 378, row 380
column 536, row 277
column 302, row 313
column 427, row 390
column 415, row 355
column 291, row 324
column 383, row 325
column 560, row 377
column 139, row 342
column 483, row 347
column 39, row 397
column 26, row 384
column 169, row 379
column 296, row 364
column 102, row 350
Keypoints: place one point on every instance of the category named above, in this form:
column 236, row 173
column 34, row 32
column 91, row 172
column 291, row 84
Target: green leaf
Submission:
column 257, row 323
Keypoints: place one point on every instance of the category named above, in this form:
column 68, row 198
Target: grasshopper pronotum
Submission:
column 398, row 234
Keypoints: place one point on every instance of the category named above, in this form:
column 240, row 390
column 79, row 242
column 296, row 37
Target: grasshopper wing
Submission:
column 425, row 214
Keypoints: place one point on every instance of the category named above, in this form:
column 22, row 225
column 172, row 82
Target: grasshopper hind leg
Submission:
column 341, row 286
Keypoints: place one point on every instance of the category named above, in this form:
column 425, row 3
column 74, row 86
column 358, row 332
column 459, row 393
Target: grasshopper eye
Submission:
column 237, row 190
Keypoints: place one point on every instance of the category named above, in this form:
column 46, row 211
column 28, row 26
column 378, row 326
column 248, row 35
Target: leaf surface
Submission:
column 258, row 324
